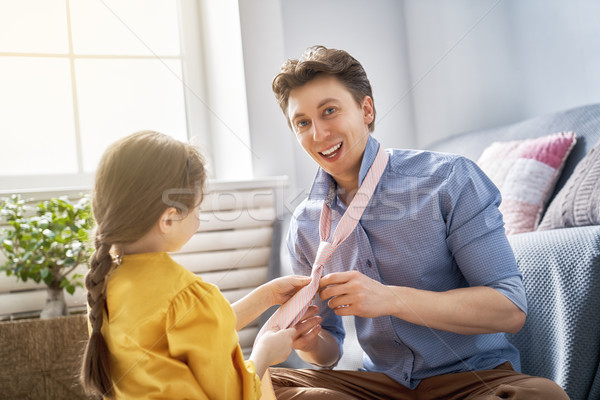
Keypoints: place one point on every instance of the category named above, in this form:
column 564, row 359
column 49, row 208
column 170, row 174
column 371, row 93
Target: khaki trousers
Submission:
column 500, row 383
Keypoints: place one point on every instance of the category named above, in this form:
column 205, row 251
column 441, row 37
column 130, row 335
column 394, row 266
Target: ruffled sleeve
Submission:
column 200, row 326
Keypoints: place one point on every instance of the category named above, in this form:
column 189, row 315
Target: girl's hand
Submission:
column 277, row 291
column 282, row 289
column 272, row 348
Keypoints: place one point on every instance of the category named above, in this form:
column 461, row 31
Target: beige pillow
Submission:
column 525, row 172
column 578, row 202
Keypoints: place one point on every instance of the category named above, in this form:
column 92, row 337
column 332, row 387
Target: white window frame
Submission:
column 204, row 112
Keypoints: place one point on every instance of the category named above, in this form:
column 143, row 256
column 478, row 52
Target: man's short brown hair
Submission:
column 318, row 60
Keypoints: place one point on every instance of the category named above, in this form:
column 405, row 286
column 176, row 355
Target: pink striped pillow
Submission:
column 526, row 172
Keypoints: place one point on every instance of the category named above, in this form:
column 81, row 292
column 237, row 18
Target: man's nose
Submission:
column 320, row 131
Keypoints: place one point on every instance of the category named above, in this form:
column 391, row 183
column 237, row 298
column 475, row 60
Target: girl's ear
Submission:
column 165, row 222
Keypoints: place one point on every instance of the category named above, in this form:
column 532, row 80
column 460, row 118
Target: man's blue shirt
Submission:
column 433, row 224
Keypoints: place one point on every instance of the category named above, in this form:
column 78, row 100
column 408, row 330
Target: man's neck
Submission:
column 346, row 190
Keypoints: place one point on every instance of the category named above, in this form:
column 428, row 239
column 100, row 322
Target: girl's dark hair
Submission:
column 138, row 178
column 318, row 60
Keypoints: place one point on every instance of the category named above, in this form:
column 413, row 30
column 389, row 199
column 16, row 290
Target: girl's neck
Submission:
column 149, row 243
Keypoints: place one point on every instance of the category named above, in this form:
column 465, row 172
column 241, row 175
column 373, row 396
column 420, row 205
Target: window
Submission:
column 78, row 74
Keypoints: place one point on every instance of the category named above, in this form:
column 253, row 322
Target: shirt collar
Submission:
column 371, row 150
column 323, row 181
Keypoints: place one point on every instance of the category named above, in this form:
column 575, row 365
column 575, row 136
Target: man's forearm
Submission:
column 326, row 352
column 467, row 311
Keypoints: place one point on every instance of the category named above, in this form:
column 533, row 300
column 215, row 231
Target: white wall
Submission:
column 480, row 64
column 461, row 75
column 262, row 33
column 557, row 45
column 226, row 107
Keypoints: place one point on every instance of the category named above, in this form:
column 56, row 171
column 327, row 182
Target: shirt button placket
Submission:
column 405, row 374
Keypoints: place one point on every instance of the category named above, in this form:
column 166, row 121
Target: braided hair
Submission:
column 138, row 178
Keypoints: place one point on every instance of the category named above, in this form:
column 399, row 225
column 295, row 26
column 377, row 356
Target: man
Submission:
column 428, row 272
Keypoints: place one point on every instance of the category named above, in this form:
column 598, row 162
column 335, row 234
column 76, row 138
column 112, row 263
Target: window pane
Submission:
column 38, row 135
column 33, row 26
column 133, row 27
column 119, row 97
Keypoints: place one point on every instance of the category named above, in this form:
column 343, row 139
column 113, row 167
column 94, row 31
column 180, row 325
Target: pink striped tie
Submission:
column 290, row 313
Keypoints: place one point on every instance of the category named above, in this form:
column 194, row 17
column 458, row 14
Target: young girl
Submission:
column 158, row 330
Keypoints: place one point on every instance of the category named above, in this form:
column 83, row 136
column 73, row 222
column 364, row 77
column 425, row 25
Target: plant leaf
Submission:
column 70, row 289
column 8, row 245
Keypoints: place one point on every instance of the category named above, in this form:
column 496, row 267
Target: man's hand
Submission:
column 307, row 330
column 314, row 344
column 352, row 293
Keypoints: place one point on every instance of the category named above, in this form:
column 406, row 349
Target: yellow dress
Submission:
column 172, row 335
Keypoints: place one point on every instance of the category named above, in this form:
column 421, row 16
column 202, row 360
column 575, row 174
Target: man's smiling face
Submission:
column 331, row 126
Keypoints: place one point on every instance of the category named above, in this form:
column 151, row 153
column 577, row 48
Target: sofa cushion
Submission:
column 525, row 172
column 578, row 202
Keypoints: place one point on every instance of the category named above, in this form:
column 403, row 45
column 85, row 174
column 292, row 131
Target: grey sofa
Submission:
column 561, row 268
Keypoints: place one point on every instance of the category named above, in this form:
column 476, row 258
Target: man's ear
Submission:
column 367, row 107
column 166, row 220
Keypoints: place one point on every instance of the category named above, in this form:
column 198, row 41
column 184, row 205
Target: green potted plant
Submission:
column 46, row 245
